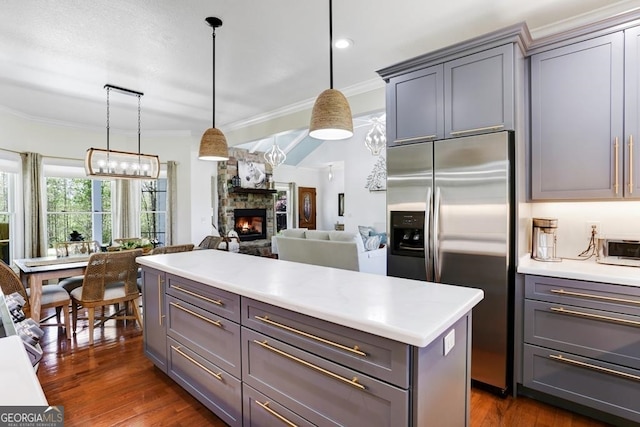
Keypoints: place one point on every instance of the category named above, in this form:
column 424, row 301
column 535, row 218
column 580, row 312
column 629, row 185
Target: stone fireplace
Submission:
column 231, row 198
column 250, row 224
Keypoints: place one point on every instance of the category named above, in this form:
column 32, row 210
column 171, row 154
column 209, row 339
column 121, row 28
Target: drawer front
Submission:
column 260, row 411
column 317, row 389
column 222, row 303
column 602, row 335
column 603, row 386
column 376, row 356
column 218, row 390
column 601, row 296
column 211, row 336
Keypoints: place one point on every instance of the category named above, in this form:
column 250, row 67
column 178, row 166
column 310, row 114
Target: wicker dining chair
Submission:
column 109, row 279
column 171, row 249
column 52, row 296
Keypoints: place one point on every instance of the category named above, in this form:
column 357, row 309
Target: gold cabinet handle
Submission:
column 353, row 382
column 562, row 310
column 355, row 349
column 193, row 294
column 217, row 376
column 415, row 138
column 615, row 162
column 599, row 297
column 160, row 315
column 630, row 164
column 199, row 316
column 462, row 132
column 562, row 359
column 265, row 406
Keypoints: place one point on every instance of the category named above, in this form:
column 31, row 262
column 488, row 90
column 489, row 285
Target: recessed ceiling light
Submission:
column 343, row 43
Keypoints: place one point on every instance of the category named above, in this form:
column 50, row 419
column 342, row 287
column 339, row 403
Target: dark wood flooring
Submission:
column 114, row 384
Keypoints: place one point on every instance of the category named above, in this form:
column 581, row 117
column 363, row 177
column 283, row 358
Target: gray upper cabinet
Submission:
column 577, row 98
column 479, row 92
column 466, row 96
column 415, row 106
column 632, row 113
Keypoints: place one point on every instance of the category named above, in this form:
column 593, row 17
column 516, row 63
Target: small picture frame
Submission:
column 340, row 204
column 252, row 174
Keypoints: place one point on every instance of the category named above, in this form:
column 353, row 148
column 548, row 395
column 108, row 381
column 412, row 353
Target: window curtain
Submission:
column 35, row 226
column 172, row 201
column 293, row 204
column 125, row 204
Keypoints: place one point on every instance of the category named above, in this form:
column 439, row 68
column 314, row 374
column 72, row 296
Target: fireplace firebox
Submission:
column 250, row 224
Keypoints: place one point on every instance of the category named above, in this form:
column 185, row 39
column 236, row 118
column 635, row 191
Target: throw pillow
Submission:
column 373, row 242
column 364, row 231
column 383, row 236
column 316, row 235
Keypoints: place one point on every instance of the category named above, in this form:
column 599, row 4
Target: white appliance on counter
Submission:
column 619, row 251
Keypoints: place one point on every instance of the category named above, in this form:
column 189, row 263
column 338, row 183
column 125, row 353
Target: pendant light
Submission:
column 331, row 115
column 275, row 156
column 213, row 145
column 121, row 164
column 376, row 138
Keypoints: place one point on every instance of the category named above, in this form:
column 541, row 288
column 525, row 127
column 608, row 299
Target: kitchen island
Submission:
column 259, row 340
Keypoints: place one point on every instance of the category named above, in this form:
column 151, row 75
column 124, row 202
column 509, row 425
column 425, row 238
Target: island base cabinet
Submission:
column 317, row 389
column 216, row 389
column 260, row 411
column 154, row 325
column 606, row 387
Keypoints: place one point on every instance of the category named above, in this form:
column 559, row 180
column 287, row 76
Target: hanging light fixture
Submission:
column 275, row 156
column 121, row 164
column 213, row 145
column 331, row 115
column 376, row 138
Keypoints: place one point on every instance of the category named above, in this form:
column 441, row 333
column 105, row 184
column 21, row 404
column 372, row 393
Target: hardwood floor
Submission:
column 114, row 384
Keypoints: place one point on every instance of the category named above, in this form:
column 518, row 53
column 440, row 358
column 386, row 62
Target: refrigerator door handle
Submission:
column 427, row 223
column 436, row 231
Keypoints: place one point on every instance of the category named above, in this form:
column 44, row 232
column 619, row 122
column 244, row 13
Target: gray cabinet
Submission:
column 256, row 364
column 203, row 345
column 154, row 325
column 584, row 118
column 466, row 96
column 415, row 106
column 581, row 343
column 479, row 92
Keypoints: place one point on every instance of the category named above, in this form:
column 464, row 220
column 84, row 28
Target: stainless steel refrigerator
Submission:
column 451, row 219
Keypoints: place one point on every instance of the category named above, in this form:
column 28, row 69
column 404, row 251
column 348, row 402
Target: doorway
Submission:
column 307, row 208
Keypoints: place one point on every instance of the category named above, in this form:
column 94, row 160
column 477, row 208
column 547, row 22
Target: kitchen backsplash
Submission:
column 615, row 219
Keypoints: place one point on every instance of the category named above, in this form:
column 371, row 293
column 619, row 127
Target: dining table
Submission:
column 33, row 271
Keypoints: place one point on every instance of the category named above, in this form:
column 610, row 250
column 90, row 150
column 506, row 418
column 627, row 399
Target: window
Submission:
column 153, row 210
column 282, row 207
column 78, row 204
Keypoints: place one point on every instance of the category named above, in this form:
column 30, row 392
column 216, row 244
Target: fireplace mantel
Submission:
column 252, row 190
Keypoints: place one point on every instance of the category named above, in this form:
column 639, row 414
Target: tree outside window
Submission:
column 6, row 182
column 78, row 204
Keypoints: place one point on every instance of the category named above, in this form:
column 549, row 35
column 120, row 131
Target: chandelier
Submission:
column 275, row 156
column 376, row 138
column 121, row 164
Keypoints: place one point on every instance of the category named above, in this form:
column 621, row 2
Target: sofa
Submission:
column 338, row 249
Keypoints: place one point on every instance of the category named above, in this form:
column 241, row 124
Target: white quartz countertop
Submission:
column 20, row 386
column 404, row 310
column 588, row 270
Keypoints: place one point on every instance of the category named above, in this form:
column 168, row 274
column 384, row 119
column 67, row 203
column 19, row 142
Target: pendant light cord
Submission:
column 213, row 80
column 330, row 44
column 138, row 128
column 108, row 90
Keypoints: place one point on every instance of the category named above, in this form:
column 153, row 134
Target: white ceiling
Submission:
column 56, row 56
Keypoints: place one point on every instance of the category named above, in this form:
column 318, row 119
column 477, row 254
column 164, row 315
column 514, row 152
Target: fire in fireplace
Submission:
column 250, row 224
